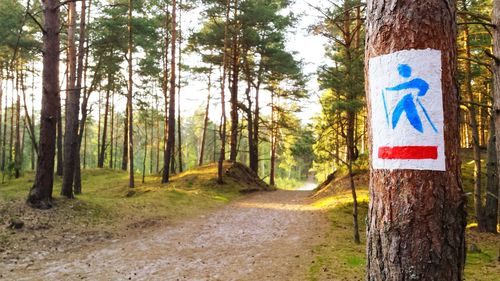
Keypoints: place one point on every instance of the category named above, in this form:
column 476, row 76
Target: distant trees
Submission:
column 341, row 125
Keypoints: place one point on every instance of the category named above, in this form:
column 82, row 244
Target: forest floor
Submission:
column 262, row 236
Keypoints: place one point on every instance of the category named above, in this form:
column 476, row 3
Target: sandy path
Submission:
column 265, row 236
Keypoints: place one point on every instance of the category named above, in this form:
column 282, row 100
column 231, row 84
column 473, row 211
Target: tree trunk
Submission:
column 416, row 218
column 102, row 155
column 496, row 81
column 222, row 132
column 72, row 103
column 273, row 142
column 205, row 123
column 179, row 134
column 145, row 149
column 59, row 168
column 112, row 135
column 476, row 146
column 130, row 120
column 234, row 88
column 4, row 137
column 125, row 141
column 17, row 146
column 40, row 195
column 256, row 121
column 171, row 103
column 490, row 211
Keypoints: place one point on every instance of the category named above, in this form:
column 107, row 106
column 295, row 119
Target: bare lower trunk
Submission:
column 72, row 103
column 102, row 152
column 40, row 195
column 496, row 83
column 490, row 212
column 416, row 218
column 205, row 124
column 130, row 120
column 171, row 103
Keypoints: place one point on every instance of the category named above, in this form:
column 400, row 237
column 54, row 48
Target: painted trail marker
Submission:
column 407, row 110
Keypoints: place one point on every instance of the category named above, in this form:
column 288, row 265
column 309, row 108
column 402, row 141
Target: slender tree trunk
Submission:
column 59, row 167
column 72, row 108
column 125, row 141
column 476, row 148
column 273, row 141
column 130, row 83
column 82, row 77
column 256, row 122
column 40, row 195
column 491, row 207
column 2, row 151
column 4, row 137
column 351, row 157
column 151, row 146
column 171, row 104
column 222, row 132
column 234, row 88
column 102, row 155
column 157, row 136
column 112, row 134
column 179, row 135
column 416, row 218
column 205, row 123
column 145, row 149
column 496, row 83
column 17, row 146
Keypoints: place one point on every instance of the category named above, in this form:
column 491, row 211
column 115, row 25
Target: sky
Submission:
column 309, row 49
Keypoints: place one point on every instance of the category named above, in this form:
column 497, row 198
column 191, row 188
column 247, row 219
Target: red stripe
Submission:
column 408, row 152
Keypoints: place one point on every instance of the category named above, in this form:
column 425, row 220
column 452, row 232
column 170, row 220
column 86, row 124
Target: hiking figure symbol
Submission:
column 407, row 103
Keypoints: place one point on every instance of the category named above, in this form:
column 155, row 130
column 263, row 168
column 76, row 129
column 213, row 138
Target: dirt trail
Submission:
column 265, row 236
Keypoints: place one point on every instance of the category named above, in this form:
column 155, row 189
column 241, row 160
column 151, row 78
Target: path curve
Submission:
column 264, row 236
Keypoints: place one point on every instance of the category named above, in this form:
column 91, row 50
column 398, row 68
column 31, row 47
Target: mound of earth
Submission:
column 245, row 178
column 335, row 183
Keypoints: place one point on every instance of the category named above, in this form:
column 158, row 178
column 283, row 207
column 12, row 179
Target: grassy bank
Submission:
column 107, row 207
column 338, row 258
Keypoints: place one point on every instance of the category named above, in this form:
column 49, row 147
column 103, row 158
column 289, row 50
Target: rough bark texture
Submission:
column 102, row 151
column 72, row 103
column 130, row 120
column 41, row 193
column 171, row 103
column 416, row 219
column 234, row 88
column 490, row 211
column 496, row 80
column 205, row 123
column 222, row 132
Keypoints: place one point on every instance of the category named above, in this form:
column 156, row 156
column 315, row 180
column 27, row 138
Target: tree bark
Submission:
column 222, row 132
column 40, row 195
column 130, row 120
column 476, row 145
column 416, row 218
column 179, row 134
column 234, row 88
column 171, row 102
column 72, row 103
column 102, row 155
column 205, row 122
column 273, row 141
column 496, row 81
column 17, row 146
column 490, row 211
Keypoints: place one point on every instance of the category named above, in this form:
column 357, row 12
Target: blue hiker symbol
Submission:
column 407, row 104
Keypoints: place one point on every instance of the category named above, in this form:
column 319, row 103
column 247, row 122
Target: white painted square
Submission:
column 416, row 144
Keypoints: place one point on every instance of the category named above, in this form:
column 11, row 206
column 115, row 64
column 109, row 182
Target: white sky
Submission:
column 309, row 48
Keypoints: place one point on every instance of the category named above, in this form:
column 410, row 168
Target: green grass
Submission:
column 339, row 258
column 107, row 204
